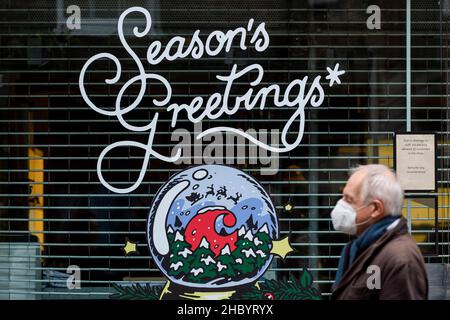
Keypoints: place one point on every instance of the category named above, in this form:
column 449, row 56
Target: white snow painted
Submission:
column 221, row 266
column 185, row 252
column 210, row 208
column 241, row 231
column 264, row 228
column 249, row 235
column 256, row 241
column 176, row 266
column 261, row 253
column 204, row 243
column 178, row 236
column 225, row 250
column 208, row 260
column 197, row 271
column 249, row 253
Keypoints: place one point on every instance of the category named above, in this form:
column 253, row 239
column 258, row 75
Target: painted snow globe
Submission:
column 211, row 229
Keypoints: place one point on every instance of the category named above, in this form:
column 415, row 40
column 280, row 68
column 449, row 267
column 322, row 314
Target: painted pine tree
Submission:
column 245, row 255
column 181, row 255
column 225, row 263
column 203, row 265
column 263, row 245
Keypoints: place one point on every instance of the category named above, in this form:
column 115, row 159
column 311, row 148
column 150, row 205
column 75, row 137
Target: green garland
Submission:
column 292, row 289
column 136, row 292
column 301, row 289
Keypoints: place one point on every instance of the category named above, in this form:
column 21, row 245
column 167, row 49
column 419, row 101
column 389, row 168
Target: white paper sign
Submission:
column 416, row 161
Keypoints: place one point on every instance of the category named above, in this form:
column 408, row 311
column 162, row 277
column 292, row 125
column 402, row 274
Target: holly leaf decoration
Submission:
column 291, row 289
column 305, row 279
column 136, row 292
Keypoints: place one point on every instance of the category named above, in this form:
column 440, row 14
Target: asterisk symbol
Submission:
column 333, row 75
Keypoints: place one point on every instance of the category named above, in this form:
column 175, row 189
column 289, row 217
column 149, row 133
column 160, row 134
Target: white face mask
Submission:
column 344, row 217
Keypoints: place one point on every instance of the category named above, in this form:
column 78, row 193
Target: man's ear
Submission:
column 379, row 209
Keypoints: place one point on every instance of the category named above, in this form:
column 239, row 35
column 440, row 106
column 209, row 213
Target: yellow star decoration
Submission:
column 130, row 247
column 281, row 247
column 288, row 207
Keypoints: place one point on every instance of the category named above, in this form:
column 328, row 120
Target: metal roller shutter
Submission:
column 50, row 139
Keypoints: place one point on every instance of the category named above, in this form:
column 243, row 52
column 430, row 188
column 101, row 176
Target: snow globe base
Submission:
column 173, row 291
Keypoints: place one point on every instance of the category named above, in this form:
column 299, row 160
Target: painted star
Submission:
column 130, row 247
column 333, row 75
column 281, row 247
column 288, row 207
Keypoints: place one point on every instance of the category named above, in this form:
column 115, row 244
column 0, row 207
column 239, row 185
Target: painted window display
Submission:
column 158, row 150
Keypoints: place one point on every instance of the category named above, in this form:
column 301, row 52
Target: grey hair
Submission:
column 381, row 183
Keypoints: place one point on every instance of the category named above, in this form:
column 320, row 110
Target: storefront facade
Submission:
column 70, row 229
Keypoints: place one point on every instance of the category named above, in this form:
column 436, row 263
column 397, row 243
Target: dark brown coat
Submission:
column 402, row 270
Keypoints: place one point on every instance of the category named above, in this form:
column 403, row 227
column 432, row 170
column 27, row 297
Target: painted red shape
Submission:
column 203, row 225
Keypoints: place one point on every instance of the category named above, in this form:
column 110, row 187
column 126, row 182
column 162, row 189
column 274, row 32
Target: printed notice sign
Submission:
column 415, row 161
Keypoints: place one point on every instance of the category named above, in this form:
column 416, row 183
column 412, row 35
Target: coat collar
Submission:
column 360, row 263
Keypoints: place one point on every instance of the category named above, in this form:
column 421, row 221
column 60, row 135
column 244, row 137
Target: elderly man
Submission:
column 383, row 262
